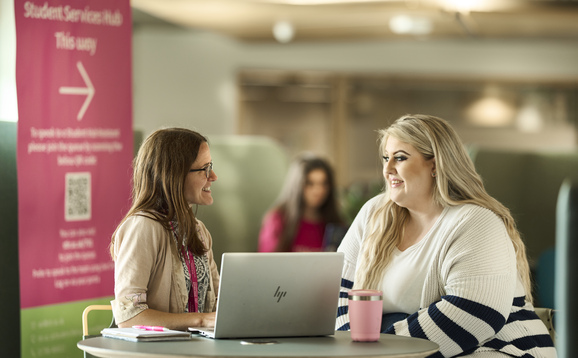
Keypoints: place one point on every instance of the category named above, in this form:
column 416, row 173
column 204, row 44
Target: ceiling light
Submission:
column 283, row 31
column 322, row 2
column 404, row 24
column 467, row 6
column 529, row 118
column 401, row 24
column 491, row 111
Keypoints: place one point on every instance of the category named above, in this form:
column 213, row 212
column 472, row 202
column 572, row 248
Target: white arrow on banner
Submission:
column 88, row 90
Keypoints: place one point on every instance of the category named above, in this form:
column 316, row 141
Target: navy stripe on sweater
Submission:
column 483, row 312
column 519, row 301
column 341, row 310
column 413, row 326
column 468, row 352
column 459, row 335
column 522, row 315
column 523, row 343
column 346, row 284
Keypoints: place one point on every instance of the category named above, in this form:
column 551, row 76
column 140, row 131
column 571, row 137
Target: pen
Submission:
column 151, row 328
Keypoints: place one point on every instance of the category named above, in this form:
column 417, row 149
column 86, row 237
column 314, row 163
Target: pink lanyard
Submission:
column 190, row 263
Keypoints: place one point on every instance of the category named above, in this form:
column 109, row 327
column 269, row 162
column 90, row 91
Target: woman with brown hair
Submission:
column 306, row 204
column 165, row 274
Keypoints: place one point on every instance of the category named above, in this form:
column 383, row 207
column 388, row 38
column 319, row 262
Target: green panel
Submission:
column 506, row 178
column 250, row 172
column 53, row 331
column 137, row 141
column 528, row 184
column 542, row 182
column 10, row 291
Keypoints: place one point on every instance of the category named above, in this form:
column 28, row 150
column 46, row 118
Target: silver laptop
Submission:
column 277, row 295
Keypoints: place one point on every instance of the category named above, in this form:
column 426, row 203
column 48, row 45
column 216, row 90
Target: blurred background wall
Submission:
column 192, row 76
column 324, row 75
column 507, row 80
column 267, row 79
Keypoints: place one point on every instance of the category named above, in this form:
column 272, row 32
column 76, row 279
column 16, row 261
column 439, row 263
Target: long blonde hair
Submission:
column 456, row 182
column 159, row 171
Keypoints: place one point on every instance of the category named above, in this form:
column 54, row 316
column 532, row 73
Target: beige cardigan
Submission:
column 148, row 272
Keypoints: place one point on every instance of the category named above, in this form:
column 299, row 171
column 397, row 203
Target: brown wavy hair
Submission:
column 159, row 172
column 290, row 203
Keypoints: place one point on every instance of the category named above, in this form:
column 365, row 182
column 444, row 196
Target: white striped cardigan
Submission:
column 472, row 302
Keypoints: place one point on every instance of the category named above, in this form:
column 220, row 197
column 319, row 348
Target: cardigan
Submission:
column 148, row 271
column 472, row 301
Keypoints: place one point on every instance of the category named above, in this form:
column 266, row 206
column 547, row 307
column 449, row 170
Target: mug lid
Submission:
column 362, row 292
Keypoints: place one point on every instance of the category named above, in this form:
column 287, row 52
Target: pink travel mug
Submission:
column 365, row 310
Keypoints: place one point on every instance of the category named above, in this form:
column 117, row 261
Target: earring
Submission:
column 433, row 174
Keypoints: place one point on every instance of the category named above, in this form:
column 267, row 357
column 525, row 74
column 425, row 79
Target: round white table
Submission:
column 339, row 345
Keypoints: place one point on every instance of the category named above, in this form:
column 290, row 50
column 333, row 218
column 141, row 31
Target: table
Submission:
column 339, row 345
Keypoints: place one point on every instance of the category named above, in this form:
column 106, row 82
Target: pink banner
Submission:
column 73, row 78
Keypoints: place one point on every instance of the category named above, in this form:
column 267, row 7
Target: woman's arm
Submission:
column 143, row 268
column 351, row 246
column 478, row 275
column 270, row 233
column 347, row 277
column 178, row 321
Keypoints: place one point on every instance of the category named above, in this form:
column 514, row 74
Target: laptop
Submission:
column 265, row 295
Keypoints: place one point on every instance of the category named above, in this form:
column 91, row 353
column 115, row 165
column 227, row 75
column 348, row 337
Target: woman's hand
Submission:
column 206, row 319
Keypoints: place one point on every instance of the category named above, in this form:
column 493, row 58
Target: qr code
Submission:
column 77, row 199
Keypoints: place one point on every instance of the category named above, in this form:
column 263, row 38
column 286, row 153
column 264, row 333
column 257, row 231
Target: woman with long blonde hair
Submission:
column 447, row 256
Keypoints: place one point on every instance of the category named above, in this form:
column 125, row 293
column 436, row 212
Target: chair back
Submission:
column 566, row 271
column 85, row 329
column 547, row 316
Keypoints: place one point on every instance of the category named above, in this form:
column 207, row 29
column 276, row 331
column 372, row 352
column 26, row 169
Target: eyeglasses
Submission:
column 206, row 169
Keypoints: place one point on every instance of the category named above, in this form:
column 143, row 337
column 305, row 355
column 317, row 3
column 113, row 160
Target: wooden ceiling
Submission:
column 327, row 20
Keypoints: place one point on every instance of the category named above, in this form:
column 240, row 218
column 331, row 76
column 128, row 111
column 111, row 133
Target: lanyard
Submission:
column 190, row 263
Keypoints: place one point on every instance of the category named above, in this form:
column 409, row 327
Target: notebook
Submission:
column 137, row 335
column 264, row 295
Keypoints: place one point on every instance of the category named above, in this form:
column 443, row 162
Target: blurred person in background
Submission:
column 305, row 210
